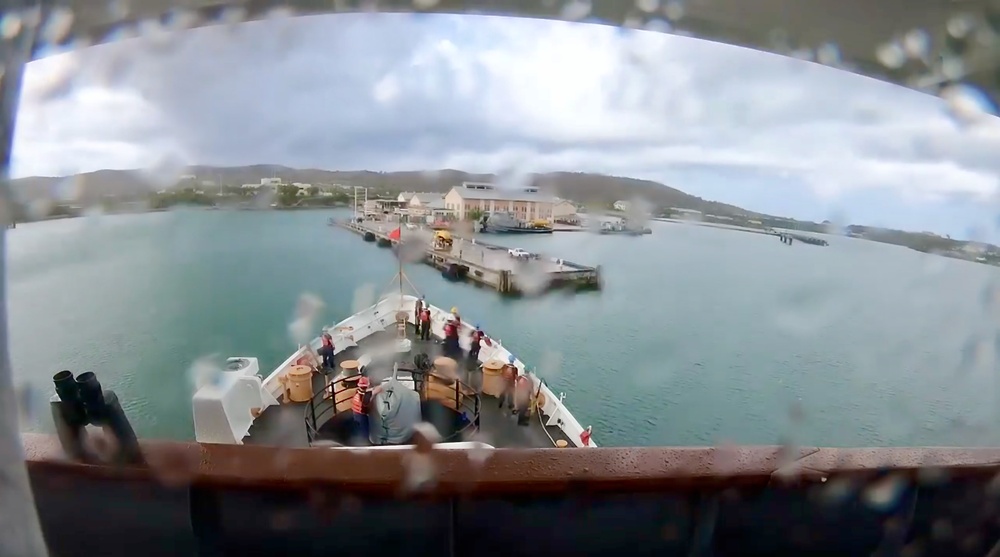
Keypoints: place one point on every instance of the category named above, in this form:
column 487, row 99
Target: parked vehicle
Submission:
column 519, row 253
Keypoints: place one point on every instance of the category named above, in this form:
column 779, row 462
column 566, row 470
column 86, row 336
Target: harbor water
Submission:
column 700, row 336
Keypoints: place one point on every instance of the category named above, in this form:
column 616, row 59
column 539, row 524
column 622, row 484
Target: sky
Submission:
column 487, row 94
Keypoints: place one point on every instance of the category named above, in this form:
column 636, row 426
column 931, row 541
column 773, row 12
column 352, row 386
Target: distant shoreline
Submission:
column 720, row 226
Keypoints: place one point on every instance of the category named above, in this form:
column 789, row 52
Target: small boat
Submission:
column 623, row 227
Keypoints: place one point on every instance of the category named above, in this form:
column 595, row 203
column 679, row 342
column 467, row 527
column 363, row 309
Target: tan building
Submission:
column 526, row 204
column 563, row 209
column 424, row 204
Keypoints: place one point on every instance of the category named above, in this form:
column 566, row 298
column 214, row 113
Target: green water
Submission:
column 701, row 336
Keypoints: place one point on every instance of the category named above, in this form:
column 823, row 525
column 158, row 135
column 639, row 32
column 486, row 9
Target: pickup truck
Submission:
column 519, row 253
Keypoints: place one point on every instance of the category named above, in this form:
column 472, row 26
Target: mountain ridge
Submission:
column 586, row 188
column 600, row 190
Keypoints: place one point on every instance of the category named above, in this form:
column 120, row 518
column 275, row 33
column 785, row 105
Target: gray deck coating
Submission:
column 284, row 425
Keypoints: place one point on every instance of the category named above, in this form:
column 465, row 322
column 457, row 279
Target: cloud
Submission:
column 398, row 92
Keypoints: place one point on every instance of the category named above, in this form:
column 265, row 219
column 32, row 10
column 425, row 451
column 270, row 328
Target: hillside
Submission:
column 94, row 188
column 590, row 189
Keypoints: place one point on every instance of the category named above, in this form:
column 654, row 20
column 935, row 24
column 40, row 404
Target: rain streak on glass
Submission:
column 802, row 309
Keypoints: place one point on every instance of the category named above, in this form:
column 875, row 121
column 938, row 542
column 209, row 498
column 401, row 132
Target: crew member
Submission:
column 522, row 396
column 417, row 309
column 360, row 405
column 425, row 323
column 474, row 347
column 509, row 375
column 327, row 351
column 451, row 347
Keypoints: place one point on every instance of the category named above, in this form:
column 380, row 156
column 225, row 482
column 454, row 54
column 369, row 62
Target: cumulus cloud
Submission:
column 396, row 92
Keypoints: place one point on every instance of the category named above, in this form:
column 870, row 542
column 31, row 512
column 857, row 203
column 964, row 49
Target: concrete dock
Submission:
column 485, row 263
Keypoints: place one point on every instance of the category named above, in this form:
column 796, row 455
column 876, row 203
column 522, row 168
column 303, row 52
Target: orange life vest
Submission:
column 509, row 373
column 358, row 402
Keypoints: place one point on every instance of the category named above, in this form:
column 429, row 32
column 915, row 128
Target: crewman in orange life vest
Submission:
column 327, row 351
column 522, row 395
column 509, row 375
column 418, row 308
column 360, row 406
column 474, row 346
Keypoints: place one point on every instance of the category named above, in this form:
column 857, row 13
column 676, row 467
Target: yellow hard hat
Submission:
column 454, row 310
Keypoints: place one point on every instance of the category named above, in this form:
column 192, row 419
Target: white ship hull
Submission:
column 226, row 411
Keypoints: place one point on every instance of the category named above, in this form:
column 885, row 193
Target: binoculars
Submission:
column 80, row 401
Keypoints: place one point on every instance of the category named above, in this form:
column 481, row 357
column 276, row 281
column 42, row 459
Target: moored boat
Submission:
column 623, row 227
column 507, row 223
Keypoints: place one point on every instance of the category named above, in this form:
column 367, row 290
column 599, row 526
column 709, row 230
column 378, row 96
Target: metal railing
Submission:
column 464, row 400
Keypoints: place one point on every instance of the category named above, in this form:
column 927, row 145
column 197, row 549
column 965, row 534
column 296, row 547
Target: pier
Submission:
column 484, row 263
column 788, row 238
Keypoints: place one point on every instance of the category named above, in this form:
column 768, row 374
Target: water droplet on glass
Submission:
column 180, row 19
column 10, row 25
column 674, row 10
column 231, row 15
column 575, row 10
column 166, row 173
column 967, row 103
column 174, row 466
column 364, row 297
column 891, row 55
column 480, row 453
column 205, row 371
column 307, row 311
column 960, row 25
column 512, row 177
column 280, row 12
column 952, row 67
column 917, row 44
column 28, row 399
column 884, row 494
column 550, row 365
column 58, row 25
column 837, row 491
column 802, row 54
column 412, row 246
column 658, row 25
column 532, row 277
column 829, row 54
column 647, row 6
column 118, row 9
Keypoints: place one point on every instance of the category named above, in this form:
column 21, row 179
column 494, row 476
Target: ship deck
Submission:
column 284, row 425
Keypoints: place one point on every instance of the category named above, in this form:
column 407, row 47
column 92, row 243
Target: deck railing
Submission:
column 451, row 392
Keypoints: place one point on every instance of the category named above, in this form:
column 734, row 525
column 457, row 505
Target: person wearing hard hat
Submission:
column 451, row 331
column 327, row 351
column 425, row 323
column 418, row 308
column 477, row 335
column 360, row 406
column 522, row 395
column 509, row 374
